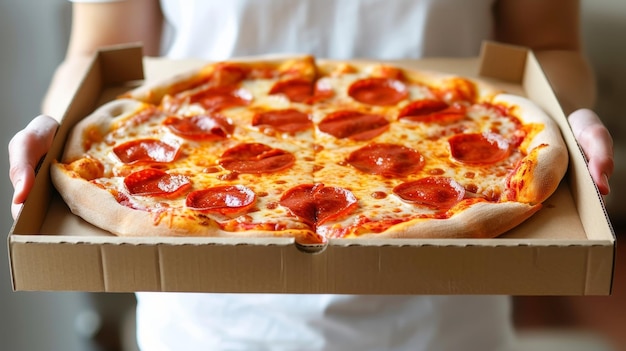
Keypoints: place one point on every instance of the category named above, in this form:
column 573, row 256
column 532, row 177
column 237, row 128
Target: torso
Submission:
column 322, row 322
column 215, row 30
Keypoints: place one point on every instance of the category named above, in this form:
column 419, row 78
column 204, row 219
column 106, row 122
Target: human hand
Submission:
column 597, row 144
column 26, row 149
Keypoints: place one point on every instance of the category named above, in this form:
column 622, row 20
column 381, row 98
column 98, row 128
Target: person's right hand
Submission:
column 26, row 149
column 597, row 145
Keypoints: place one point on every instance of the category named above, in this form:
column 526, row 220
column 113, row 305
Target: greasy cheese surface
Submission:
column 199, row 162
column 320, row 157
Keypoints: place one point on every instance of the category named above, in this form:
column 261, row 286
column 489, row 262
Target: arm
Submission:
column 552, row 30
column 93, row 25
column 100, row 24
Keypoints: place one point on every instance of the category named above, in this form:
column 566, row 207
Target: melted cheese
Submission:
column 320, row 158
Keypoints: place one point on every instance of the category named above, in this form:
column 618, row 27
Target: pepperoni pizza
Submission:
column 311, row 149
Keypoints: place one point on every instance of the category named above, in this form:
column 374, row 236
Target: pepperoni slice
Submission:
column 432, row 111
column 440, row 193
column 354, row 125
column 219, row 98
column 146, row 150
column 378, row 91
column 155, row 182
column 256, row 158
column 479, row 149
column 296, row 90
column 288, row 121
column 226, row 199
column 316, row 204
column 388, row 160
column 229, row 74
column 200, row 127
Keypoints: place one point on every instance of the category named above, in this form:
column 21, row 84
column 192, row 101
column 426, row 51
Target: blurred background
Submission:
column 33, row 37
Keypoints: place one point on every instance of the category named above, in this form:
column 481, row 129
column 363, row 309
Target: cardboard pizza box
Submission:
column 567, row 248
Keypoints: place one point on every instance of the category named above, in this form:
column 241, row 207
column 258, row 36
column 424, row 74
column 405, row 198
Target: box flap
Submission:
column 502, row 61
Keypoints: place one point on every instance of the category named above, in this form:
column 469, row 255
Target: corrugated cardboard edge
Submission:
column 281, row 268
column 160, row 265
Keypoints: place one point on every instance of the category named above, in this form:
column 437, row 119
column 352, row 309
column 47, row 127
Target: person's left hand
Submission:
column 597, row 144
column 26, row 149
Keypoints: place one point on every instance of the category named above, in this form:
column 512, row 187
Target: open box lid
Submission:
column 566, row 249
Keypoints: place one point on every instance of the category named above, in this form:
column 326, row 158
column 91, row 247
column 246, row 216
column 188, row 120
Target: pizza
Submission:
column 311, row 149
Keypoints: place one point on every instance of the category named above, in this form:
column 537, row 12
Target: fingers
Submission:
column 26, row 148
column 597, row 144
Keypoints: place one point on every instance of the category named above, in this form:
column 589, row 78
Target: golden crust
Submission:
column 546, row 161
column 481, row 220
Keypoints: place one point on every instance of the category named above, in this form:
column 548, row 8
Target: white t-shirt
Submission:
column 220, row 29
column 260, row 322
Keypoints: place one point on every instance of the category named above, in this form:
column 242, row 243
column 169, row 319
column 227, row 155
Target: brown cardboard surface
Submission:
column 565, row 249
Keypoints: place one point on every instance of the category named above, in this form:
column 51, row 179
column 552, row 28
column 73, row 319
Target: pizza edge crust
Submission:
column 481, row 220
column 547, row 157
